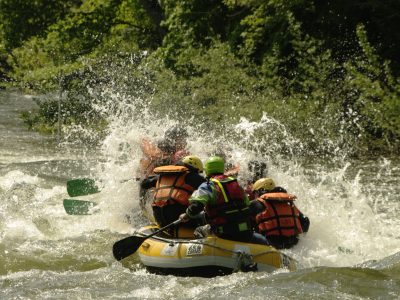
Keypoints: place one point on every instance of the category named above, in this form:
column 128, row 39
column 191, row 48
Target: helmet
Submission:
column 215, row 165
column 176, row 132
column 194, row 162
column 266, row 184
column 257, row 168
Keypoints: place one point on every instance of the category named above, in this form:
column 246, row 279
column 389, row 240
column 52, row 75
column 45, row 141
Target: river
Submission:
column 352, row 250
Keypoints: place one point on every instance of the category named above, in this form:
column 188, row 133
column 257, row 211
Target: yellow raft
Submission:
column 208, row 256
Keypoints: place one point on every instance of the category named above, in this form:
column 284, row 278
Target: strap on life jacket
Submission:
column 264, row 217
column 171, row 187
column 229, row 215
column 221, row 187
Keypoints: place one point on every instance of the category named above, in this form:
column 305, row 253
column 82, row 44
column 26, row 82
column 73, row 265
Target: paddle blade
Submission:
column 81, row 187
column 127, row 246
column 78, row 207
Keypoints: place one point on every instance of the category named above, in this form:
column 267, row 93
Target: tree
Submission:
column 23, row 19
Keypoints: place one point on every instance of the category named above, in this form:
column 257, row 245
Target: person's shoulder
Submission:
column 195, row 175
column 279, row 189
column 256, row 205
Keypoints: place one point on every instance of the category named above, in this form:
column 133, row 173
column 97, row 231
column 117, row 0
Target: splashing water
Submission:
column 350, row 217
column 352, row 205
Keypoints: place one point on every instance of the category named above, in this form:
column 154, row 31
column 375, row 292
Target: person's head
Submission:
column 176, row 136
column 214, row 165
column 193, row 162
column 263, row 185
column 258, row 169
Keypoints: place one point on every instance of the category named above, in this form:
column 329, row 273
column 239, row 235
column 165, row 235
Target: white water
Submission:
column 353, row 207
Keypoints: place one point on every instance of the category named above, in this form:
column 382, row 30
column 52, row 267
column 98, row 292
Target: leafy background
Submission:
column 329, row 70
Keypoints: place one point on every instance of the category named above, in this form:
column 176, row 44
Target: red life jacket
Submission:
column 171, row 187
column 230, row 212
column 280, row 216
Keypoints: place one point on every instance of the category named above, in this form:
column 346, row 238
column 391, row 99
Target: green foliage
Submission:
column 81, row 31
column 4, row 67
column 134, row 26
column 376, row 96
column 335, row 22
column 302, row 63
column 190, row 24
column 23, row 19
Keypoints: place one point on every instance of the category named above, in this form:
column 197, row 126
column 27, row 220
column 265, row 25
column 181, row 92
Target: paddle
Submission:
column 129, row 245
column 86, row 186
column 78, row 207
column 82, row 187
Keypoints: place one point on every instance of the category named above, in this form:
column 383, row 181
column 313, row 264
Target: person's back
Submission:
column 228, row 214
column 275, row 214
column 173, row 185
column 225, row 203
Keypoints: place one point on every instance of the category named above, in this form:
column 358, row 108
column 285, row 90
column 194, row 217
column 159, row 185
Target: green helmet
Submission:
column 214, row 165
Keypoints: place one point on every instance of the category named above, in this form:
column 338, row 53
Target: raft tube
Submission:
column 207, row 257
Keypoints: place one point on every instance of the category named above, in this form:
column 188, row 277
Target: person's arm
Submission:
column 149, row 182
column 149, row 149
column 304, row 222
column 194, row 180
column 194, row 209
column 232, row 170
column 198, row 200
column 255, row 208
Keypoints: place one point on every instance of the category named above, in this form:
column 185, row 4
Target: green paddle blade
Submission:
column 78, row 207
column 82, row 187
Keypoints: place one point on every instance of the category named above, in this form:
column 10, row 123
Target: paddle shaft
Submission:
column 129, row 245
column 162, row 229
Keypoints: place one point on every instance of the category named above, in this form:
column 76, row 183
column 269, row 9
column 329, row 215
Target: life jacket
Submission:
column 230, row 213
column 171, row 187
column 280, row 216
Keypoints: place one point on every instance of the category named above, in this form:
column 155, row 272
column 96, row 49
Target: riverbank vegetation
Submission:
column 329, row 71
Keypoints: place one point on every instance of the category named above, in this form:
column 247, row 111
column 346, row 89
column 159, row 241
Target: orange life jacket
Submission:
column 171, row 187
column 280, row 216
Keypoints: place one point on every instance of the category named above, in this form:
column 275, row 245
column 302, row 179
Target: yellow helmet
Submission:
column 266, row 184
column 193, row 161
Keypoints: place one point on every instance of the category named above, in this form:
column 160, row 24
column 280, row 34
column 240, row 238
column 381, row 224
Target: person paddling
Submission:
column 275, row 215
column 226, row 205
column 173, row 185
column 169, row 150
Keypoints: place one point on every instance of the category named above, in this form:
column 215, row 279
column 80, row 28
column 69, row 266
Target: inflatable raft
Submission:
column 210, row 256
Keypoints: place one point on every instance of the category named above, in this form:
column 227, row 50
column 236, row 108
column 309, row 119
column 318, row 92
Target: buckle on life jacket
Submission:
column 243, row 226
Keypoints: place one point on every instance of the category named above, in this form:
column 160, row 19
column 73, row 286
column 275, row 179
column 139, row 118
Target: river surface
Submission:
column 352, row 250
